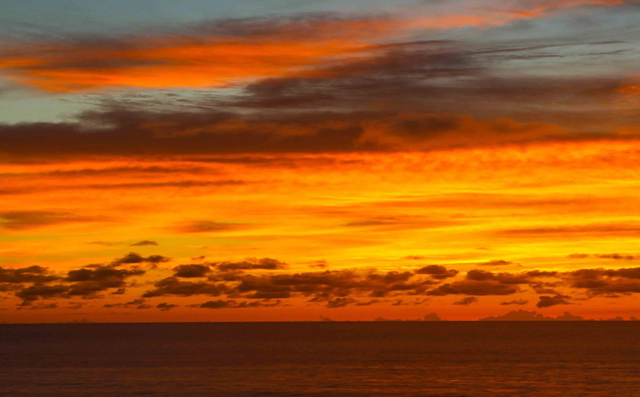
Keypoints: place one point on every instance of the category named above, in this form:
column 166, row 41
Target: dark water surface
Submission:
column 321, row 359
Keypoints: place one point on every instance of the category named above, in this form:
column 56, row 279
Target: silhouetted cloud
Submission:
column 466, row 301
column 134, row 258
column 438, row 272
column 251, row 264
column 232, row 304
column 31, row 274
column 164, row 306
column 144, row 243
column 523, row 315
column 191, row 271
column 548, row 301
column 173, row 286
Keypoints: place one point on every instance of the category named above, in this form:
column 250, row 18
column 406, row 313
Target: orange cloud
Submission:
column 235, row 56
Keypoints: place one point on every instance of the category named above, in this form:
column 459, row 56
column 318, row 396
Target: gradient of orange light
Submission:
column 447, row 206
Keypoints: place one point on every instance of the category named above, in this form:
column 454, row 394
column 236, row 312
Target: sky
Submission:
column 296, row 160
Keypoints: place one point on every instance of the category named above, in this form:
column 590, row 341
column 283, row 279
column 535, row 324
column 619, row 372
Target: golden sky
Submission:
column 308, row 164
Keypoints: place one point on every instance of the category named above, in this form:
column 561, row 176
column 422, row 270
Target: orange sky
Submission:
column 350, row 168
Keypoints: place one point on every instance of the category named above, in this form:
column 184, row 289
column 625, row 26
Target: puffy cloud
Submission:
column 437, row 272
column 38, row 291
column 134, row 258
column 548, row 301
column 173, row 286
column 31, row 274
column 89, row 281
column 191, row 271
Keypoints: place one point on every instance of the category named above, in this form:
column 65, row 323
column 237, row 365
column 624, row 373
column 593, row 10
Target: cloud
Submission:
column 340, row 302
column 205, row 227
column 519, row 302
column 31, row 274
column 164, row 306
column 135, row 258
column 89, row 281
column 232, row 304
column 473, row 288
column 548, row 301
column 617, row 257
column 592, row 230
column 38, row 291
column 139, row 304
column 437, row 272
column 498, row 262
column 466, row 301
column 191, row 271
column 522, row 315
column 251, row 264
column 24, row 220
column 144, row 243
column 173, row 286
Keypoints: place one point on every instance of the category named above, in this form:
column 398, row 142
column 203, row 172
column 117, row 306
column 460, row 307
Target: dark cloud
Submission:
column 466, row 301
column 503, row 278
column 548, row 301
column 251, row 264
column 519, row 315
column 473, row 288
column 139, row 304
column 605, row 281
column 191, row 271
column 164, row 306
column 144, row 243
column 519, row 302
column 89, row 281
column 618, row 257
column 134, row 258
column 38, row 291
column 232, row 304
column 173, row 286
column 340, row 302
column 437, row 272
column 31, row 274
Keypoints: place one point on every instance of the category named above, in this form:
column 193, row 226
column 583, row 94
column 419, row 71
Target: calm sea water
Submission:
column 321, row 359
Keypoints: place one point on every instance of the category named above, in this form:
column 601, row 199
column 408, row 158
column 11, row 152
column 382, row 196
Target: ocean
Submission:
column 322, row 359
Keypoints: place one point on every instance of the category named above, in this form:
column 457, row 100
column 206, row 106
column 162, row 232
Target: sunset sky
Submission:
column 296, row 160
